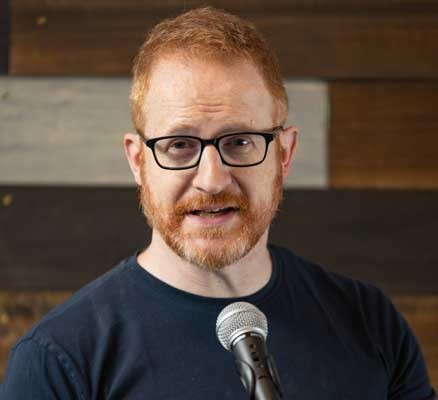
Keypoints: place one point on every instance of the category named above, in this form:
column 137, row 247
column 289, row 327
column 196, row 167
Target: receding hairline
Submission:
column 190, row 57
column 189, row 60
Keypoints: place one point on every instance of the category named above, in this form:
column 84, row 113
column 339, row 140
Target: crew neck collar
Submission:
column 146, row 281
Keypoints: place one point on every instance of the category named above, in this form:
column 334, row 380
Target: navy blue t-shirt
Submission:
column 128, row 335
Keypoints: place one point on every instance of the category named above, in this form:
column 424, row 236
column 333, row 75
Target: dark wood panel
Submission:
column 383, row 134
column 20, row 310
column 60, row 238
column 317, row 40
column 4, row 35
column 263, row 6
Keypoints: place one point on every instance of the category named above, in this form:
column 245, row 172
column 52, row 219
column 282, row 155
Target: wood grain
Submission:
column 4, row 36
column 383, row 134
column 62, row 237
column 20, row 310
column 315, row 40
column 262, row 6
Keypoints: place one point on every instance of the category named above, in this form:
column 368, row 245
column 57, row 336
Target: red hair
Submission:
column 208, row 33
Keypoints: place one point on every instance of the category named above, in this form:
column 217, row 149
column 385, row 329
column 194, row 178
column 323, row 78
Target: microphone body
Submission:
column 256, row 368
column 242, row 329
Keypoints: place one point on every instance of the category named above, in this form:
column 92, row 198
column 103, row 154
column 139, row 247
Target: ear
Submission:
column 133, row 147
column 288, row 141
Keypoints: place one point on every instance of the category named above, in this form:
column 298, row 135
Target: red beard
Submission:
column 223, row 245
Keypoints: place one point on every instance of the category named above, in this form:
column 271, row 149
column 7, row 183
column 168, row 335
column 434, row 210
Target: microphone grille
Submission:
column 238, row 318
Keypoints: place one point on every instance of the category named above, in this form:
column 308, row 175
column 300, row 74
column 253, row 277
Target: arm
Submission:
column 409, row 378
column 398, row 348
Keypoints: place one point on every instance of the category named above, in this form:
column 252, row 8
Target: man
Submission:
column 209, row 158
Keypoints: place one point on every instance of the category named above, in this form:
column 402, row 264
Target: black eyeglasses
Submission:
column 236, row 149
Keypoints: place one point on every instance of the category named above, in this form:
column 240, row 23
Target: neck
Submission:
column 241, row 278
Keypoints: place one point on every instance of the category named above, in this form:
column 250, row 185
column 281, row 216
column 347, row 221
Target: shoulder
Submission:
column 308, row 274
column 72, row 338
column 85, row 316
column 40, row 368
column 363, row 312
column 337, row 292
column 90, row 301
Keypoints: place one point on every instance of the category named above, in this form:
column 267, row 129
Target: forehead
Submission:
column 206, row 95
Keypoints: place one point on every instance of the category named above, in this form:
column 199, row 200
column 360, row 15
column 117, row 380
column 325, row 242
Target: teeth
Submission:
column 212, row 211
column 206, row 214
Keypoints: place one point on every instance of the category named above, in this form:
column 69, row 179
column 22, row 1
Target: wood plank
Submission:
column 65, row 224
column 4, row 35
column 70, row 130
column 309, row 111
column 20, row 310
column 357, row 40
column 62, row 237
column 355, row 45
column 158, row 6
column 384, row 134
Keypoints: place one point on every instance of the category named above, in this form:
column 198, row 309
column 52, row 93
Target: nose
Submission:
column 212, row 176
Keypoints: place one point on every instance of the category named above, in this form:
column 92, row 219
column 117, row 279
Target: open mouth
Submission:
column 214, row 212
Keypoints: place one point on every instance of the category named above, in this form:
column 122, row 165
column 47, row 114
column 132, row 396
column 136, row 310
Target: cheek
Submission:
column 165, row 186
column 256, row 182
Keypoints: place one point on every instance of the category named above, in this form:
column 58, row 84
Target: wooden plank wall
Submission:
column 369, row 207
column 348, row 39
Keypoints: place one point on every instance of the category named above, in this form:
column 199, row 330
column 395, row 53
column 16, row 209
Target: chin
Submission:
column 215, row 253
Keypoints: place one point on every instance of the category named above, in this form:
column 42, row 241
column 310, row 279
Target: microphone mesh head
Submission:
column 237, row 318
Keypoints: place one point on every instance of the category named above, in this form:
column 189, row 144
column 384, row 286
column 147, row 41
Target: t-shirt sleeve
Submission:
column 38, row 371
column 409, row 379
column 399, row 350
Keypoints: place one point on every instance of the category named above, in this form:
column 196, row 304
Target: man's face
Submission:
column 213, row 214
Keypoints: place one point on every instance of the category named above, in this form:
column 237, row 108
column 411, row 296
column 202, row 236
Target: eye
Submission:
column 178, row 145
column 237, row 142
column 240, row 140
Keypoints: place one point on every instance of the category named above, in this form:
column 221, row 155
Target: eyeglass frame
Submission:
column 268, row 136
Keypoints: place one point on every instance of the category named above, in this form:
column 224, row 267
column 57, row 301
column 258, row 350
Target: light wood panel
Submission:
column 62, row 237
column 383, row 134
column 316, row 40
column 20, row 310
column 70, row 131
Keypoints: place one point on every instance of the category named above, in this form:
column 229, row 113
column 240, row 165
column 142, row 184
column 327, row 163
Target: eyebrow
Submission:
column 192, row 130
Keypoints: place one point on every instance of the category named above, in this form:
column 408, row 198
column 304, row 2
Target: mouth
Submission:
column 214, row 212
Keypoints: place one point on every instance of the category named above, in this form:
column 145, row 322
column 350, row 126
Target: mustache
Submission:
column 217, row 200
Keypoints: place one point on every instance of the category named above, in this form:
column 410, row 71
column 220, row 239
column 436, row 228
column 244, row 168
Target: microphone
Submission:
column 242, row 329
